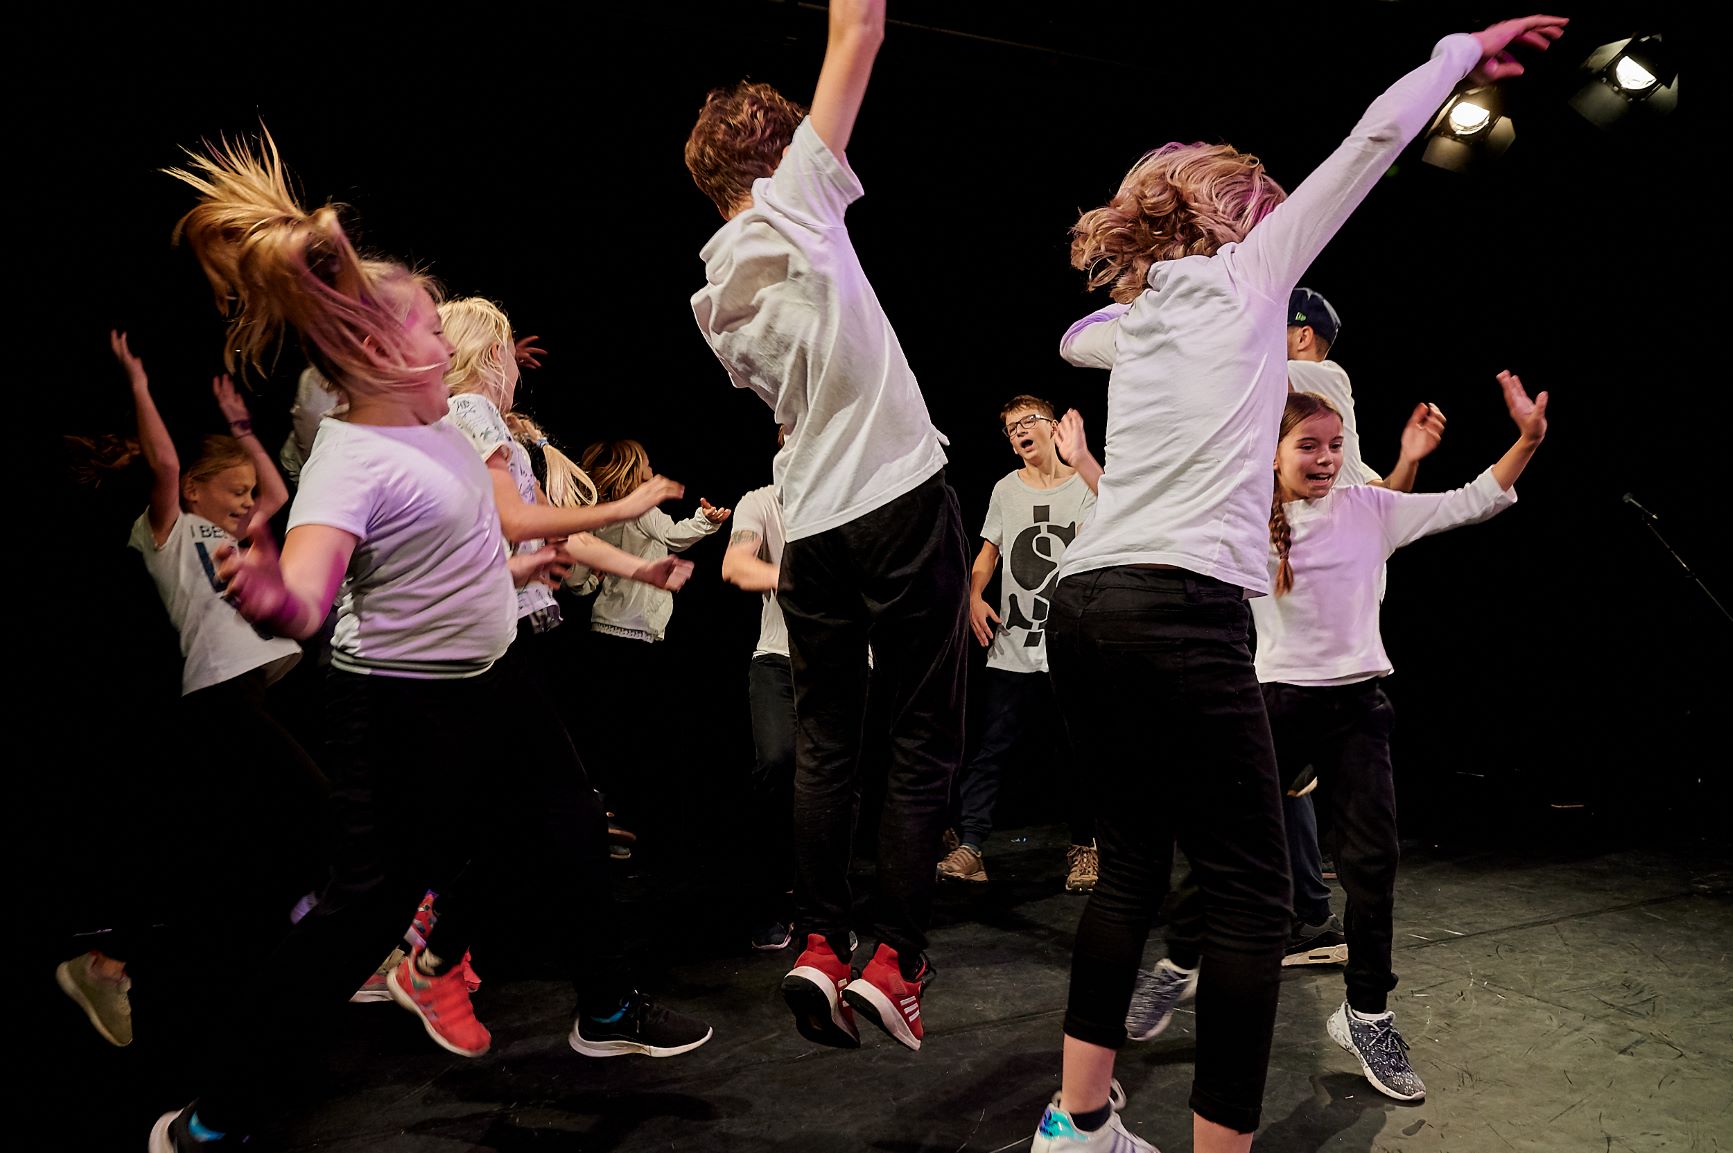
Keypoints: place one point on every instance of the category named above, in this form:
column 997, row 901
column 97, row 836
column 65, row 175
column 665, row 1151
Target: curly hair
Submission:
column 740, row 135
column 1179, row 200
column 275, row 267
column 1301, row 407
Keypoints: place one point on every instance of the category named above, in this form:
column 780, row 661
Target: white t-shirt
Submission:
column 1325, row 630
column 760, row 512
column 1327, row 379
column 789, row 312
column 428, row 593
column 1199, row 363
column 1031, row 527
column 217, row 643
column 479, row 418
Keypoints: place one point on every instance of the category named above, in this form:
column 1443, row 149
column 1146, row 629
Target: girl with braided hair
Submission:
column 1320, row 659
column 394, row 520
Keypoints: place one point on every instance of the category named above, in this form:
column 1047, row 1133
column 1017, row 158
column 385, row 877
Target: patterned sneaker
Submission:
column 1323, row 944
column 887, row 998
column 1057, row 1133
column 374, row 988
column 442, row 1003
column 640, row 1026
column 963, row 863
column 813, row 989
column 421, row 925
column 1084, row 867
column 1154, row 997
column 1382, row 1051
column 105, row 999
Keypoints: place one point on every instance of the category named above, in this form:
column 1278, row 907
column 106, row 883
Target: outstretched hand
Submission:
column 548, row 566
column 668, row 573
column 134, row 366
column 652, row 493
column 1496, row 62
column 1530, row 415
column 527, row 353
column 229, row 399
column 713, row 514
column 1425, row 428
column 1068, row 437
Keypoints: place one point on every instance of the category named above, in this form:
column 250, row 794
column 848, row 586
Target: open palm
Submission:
column 1530, row 415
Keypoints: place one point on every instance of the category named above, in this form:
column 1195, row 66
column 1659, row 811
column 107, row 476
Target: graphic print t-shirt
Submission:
column 217, row 643
column 479, row 419
column 1031, row 528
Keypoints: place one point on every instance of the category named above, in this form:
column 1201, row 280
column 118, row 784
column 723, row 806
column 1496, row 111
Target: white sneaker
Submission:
column 1057, row 1133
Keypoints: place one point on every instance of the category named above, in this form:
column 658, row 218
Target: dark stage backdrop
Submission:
column 1557, row 656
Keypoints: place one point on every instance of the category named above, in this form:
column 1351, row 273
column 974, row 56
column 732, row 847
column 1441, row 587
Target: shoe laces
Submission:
column 1385, row 1038
column 1084, row 858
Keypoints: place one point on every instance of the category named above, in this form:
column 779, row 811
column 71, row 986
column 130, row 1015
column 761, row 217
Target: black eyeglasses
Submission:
column 1025, row 424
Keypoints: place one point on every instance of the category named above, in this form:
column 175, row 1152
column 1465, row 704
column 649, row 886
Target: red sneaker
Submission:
column 442, row 1003
column 813, row 990
column 426, row 917
column 890, row 1000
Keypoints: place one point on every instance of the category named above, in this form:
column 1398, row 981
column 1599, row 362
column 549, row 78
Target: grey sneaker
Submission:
column 1324, row 944
column 1154, row 997
column 104, row 999
column 1382, row 1051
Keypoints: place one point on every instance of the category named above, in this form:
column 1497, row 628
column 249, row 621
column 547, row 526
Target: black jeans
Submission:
column 1018, row 710
column 1344, row 730
column 896, row 578
column 1156, row 680
column 427, row 792
column 770, row 694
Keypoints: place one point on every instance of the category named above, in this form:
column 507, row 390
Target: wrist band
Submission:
column 240, row 427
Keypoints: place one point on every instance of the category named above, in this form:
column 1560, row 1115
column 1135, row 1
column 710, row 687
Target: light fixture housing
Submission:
column 1628, row 81
column 1470, row 128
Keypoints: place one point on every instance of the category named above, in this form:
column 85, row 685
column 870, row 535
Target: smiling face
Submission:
column 1309, row 456
column 224, row 498
column 1030, row 431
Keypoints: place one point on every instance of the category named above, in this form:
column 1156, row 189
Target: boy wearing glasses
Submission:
column 1033, row 514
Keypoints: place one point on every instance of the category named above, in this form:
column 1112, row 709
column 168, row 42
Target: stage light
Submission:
column 1470, row 127
column 1628, row 81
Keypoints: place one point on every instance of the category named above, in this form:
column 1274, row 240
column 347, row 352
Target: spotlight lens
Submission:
column 1466, row 119
column 1631, row 76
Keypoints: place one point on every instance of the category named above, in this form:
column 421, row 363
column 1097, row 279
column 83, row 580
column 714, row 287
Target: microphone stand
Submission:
column 1649, row 520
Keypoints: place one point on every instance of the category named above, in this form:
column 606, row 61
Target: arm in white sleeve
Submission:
column 1280, row 248
column 1089, row 342
column 1408, row 516
column 675, row 536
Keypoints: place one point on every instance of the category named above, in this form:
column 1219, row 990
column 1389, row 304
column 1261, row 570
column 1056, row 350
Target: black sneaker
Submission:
column 641, row 1026
column 1323, row 944
column 772, row 936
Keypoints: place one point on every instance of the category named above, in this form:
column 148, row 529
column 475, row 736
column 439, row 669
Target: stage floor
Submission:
column 1568, row 1001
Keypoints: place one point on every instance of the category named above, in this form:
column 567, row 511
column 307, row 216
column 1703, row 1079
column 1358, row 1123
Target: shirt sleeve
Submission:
column 993, row 529
column 749, row 516
column 1089, row 342
column 335, row 492
column 811, row 184
column 477, row 418
column 1280, row 248
column 675, row 536
column 1408, row 516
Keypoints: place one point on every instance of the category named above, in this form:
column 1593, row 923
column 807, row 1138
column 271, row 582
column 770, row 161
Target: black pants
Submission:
column 770, row 695
column 1018, row 713
column 1344, row 730
column 620, row 674
column 435, row 784
column 1157, row 683
column 896, row 578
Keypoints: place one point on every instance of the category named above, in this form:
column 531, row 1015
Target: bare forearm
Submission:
column 520, row 521
column 602, row 556
column 153, row 438
column 1089, row 469
column 273, row 493
column 1515, row 459
column 748, row 572
column 1401, row 478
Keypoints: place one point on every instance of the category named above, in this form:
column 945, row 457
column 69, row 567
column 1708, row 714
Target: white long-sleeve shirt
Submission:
column 1199, row 362
column 627, row 607
column 1325, row 630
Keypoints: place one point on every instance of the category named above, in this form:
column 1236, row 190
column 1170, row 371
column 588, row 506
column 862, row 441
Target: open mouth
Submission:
column 1026, row 443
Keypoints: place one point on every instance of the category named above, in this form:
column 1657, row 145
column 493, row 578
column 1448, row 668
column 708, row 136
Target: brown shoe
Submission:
column 963, row 863
column 1085, row 867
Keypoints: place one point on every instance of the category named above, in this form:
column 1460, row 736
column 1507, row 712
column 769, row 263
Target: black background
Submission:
column 1554, row 657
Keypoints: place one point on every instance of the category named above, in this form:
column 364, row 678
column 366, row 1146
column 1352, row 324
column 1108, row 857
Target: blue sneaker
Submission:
column 1382, row 1052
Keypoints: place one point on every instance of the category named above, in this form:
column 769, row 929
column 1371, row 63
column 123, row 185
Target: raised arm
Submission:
column 273, row 493
column 1073, row 448
column 1420, row 436
column 743, row 568
column 1530, row 418
column 857, row 28
column 154, row 441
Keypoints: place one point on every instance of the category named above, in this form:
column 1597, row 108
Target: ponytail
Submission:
column 567, row 485
column 1281, row 539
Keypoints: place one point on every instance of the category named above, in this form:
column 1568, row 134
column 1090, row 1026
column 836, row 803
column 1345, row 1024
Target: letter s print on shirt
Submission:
column 1030, row 568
